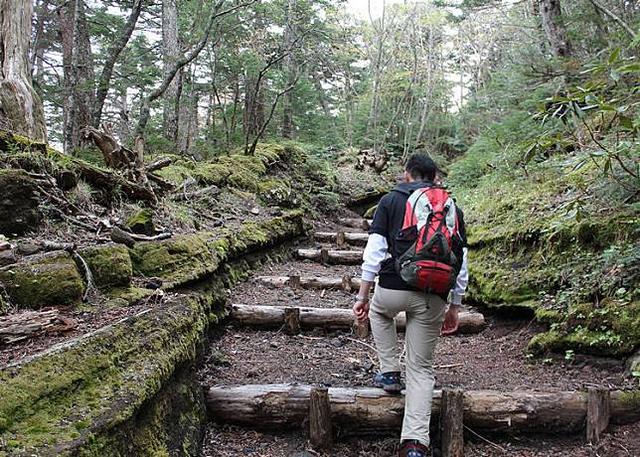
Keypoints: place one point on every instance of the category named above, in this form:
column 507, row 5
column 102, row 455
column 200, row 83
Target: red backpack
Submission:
column 430, row 237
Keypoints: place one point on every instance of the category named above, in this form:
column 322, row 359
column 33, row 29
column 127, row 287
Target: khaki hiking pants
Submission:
column 425, row 314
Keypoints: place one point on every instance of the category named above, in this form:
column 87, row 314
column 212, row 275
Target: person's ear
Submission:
column 406, row 177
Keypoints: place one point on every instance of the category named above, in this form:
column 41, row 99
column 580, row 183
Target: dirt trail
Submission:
column 493, row 359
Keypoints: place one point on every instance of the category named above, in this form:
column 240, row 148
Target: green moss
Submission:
column 176, row 174
column 110, row 265
column 277, row 192
column 549, row 316
column 113, row 393
column 20, row 213
column 189, row 258
column 612, row 330
column 130, row 295
column 12, row 143
column 141, row 222
column 102, row 380
column 172, row 424
column 370, row 212
column 45, row 280
column 177, row 261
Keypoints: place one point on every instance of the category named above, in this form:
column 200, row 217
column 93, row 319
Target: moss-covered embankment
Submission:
column 126, row 389
column 556, row 240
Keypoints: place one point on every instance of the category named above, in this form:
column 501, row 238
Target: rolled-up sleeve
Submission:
column 462, row 281
column 374, row 254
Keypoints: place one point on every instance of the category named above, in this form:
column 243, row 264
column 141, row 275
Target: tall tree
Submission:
column 79, row 81
column 171, row 54
column 20, row 107
column 554, row 28
column 289, row 64
column 113, row 53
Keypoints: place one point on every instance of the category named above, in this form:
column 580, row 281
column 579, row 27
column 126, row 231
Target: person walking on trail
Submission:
column 417, row 248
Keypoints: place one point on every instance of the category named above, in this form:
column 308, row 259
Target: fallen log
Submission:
column 210, row 190
column 311, row 282
column 108, row 181
column 334, row 257
column 28, row 324
column 367, row 410
column 121, row 236
column 330, row 318
column 354, row 238
column 363, row 224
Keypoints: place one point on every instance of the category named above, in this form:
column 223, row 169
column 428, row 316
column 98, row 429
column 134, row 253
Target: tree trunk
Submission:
column 252, row 89
column 553, row 25
column 114, row 51
column 330, row 318
column 78, row 73
column 188, row 126
column 21, row 109
column 334, row 257
column 289, row 63
column 171, row 54
column 366, row 410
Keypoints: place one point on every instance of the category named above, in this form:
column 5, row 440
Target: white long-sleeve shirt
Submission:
column 377, row 251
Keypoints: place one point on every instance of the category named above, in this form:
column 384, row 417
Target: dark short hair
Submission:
column 421, row 167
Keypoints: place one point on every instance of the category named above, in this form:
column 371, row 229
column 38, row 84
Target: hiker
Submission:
column 416, row 247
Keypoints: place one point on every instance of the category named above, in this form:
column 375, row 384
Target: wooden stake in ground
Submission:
column 598, row 413
column 340, row 239
column 361, row 329
column 346, row 283
column 451, row 423
column 320, row 429
column 294, row 282
column 292, row 320
column 324, row 256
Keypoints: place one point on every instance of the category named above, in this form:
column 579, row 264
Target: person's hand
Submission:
column 361, row 310
column 451, row 321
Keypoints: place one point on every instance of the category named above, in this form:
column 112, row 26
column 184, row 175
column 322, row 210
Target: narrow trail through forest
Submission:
column 491, row 357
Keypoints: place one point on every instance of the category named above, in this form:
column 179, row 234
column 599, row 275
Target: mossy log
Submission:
column 333, row 257
column 110, row 265
column 330, row 318
column 354, row 238
column 364, row 410
column 70, row 395
column 48, row 279
column 311, row 282
column 107, row 181
column 19, row 211
column 115, row 391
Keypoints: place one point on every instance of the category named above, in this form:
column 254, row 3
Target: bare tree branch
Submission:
column 188, row 58
column 615, row 18
column 113, row 53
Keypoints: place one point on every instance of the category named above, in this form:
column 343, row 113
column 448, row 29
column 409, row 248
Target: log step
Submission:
column 329, row 318
column 355, row 222
column 332, row 257
column 342, row 238
column 365, row 410
column 311, row 282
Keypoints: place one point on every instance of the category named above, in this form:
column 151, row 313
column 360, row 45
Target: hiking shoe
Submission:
column 413, row 448
column 390, row 382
